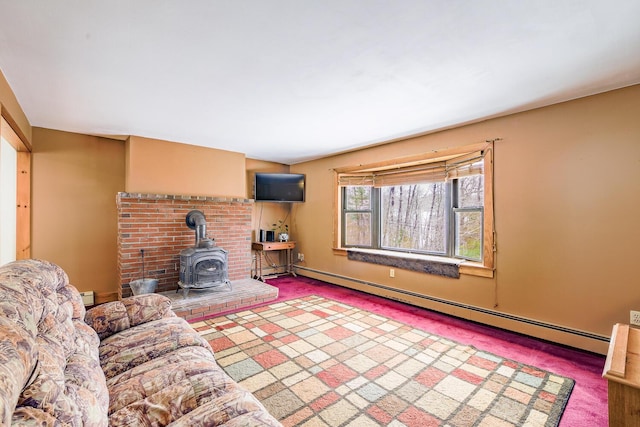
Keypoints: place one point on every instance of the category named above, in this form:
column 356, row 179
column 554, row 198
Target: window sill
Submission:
column 476, row 269
column 417, row 262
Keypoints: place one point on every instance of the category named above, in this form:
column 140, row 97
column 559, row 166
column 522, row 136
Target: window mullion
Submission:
column 451, row 195
column 343, row 216
column 376, row 218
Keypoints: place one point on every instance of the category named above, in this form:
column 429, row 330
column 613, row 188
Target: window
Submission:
column 468, row 216
column 433, row 204
column 358, row 216
column 414, row 217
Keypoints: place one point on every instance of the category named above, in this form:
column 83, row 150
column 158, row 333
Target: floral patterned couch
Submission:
column 129, row 362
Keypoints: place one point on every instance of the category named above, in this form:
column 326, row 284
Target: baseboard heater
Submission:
column 461, row 305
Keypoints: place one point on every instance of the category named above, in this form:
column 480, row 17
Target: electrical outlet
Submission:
column 87, row 297
column 392, row 272
column 635, row 318
column 300, row 256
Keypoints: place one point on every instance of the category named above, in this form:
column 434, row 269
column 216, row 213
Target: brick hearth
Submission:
column 204, row 303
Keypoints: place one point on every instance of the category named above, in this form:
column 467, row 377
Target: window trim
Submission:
column 10, row 131
column 486, row 267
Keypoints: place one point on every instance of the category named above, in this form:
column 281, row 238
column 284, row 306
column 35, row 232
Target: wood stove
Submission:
column 203, row 266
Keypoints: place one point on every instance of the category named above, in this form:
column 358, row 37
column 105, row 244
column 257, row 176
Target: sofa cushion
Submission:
column 135, row 346
column 116, row 316
column 147, row 307
column 151, row 377
column 174, row 388
column 18, row 365
column 50, row 372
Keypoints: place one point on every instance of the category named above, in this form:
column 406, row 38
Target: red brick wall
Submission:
column 156, row 223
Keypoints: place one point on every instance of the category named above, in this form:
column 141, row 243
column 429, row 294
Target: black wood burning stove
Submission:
column 203, row 266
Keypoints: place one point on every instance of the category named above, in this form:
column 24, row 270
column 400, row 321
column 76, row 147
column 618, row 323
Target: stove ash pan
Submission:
column 204, row 268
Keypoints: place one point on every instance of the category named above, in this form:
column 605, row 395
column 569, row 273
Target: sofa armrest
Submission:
column 113, row 317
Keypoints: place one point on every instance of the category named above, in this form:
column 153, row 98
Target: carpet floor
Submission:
column 587, row 404
column 313, row 361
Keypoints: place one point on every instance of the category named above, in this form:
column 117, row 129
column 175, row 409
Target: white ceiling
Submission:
column 294, row 80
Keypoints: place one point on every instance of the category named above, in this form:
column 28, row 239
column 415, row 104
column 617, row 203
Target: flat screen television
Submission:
column 279, row 187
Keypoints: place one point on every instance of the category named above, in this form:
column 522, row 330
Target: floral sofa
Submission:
column 129, row 362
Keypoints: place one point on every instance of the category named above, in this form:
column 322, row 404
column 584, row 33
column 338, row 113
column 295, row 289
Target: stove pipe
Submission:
column 196, row 221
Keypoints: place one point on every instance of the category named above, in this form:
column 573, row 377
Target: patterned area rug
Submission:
column 317, row 362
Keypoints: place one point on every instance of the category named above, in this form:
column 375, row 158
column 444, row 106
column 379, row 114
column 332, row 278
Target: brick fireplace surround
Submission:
column 156, row 223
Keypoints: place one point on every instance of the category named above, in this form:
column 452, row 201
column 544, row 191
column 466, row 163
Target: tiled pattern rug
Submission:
column 318, row 362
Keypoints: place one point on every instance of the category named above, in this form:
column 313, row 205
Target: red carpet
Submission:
column 588, row 402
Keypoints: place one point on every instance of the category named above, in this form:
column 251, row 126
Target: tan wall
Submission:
column 74, row 186
column 163, row 167
column 567, row 194
column 266, row 214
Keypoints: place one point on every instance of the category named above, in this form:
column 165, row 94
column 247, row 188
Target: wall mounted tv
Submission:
column 279, row 187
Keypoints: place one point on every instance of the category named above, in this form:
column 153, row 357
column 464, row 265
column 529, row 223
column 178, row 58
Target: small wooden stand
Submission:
column 261, row 247
column 622, row 371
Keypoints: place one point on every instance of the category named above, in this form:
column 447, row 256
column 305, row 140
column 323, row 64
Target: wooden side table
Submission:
column 622, row 371
column 288, row 247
